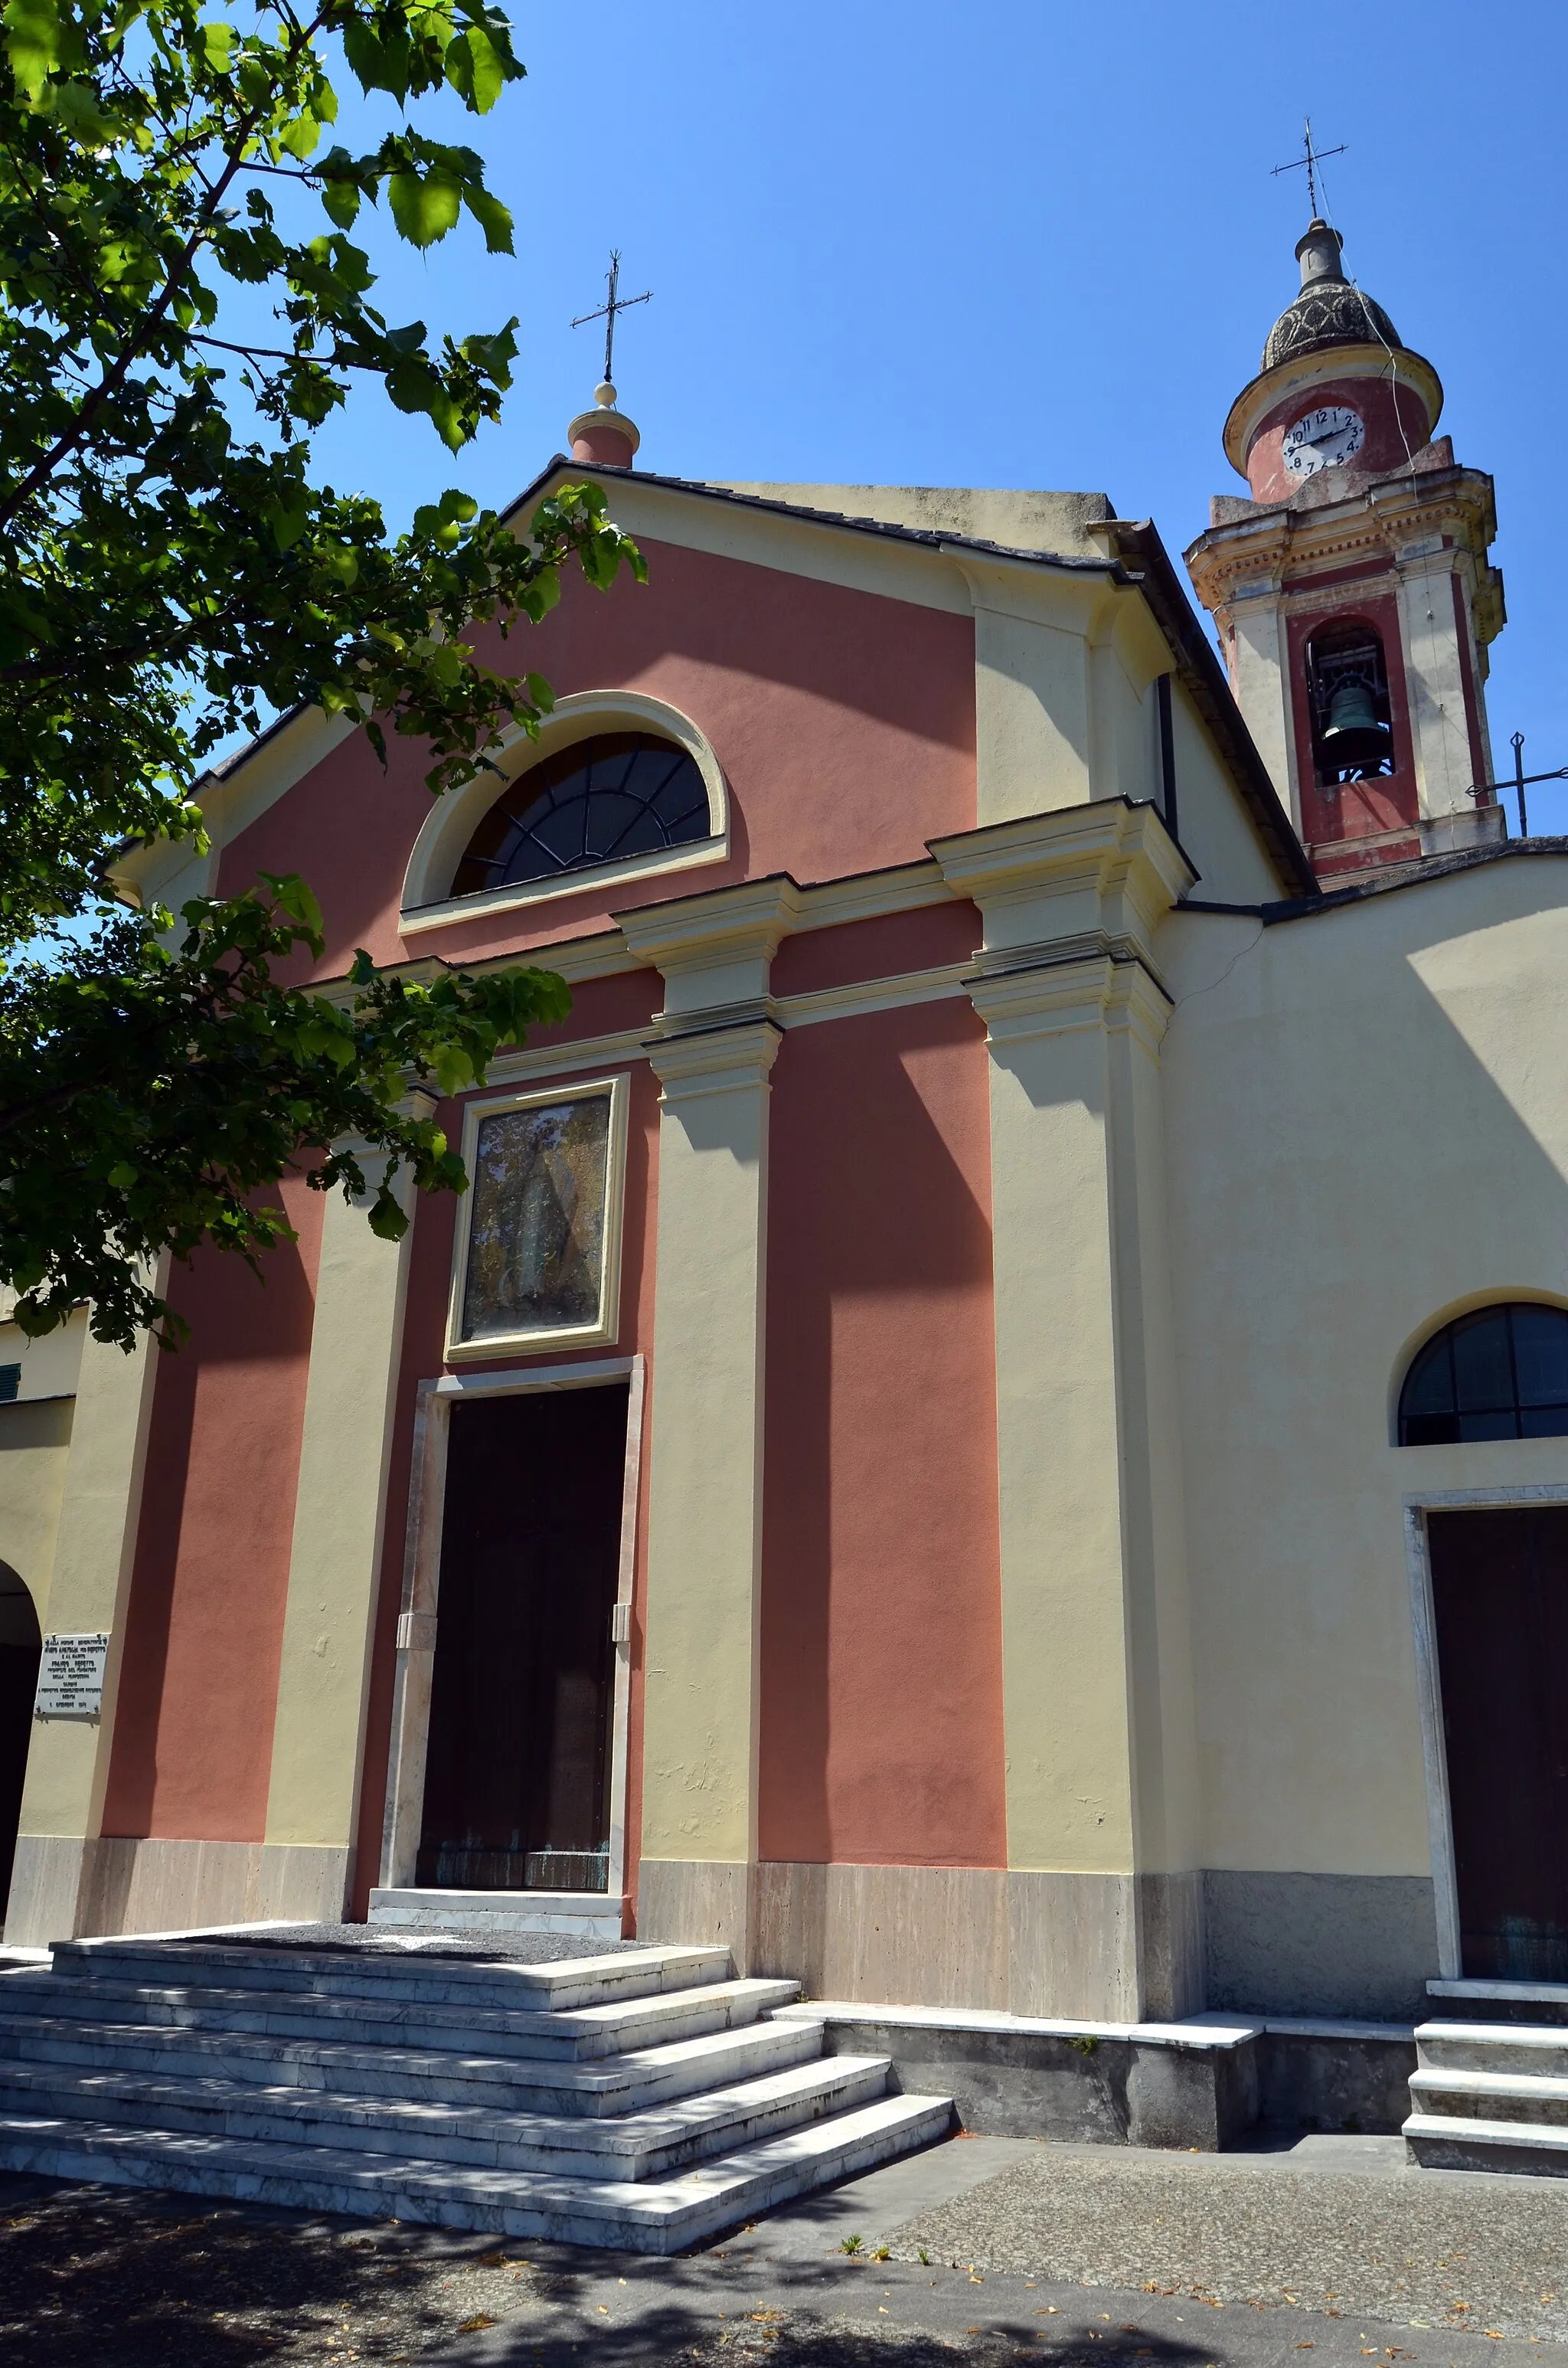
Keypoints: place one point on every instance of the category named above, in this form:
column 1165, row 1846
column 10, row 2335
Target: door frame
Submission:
column 403, row 1815
column 1434, row 1748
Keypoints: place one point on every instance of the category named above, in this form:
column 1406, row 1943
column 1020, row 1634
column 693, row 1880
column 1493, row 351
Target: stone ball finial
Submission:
column 603, row 395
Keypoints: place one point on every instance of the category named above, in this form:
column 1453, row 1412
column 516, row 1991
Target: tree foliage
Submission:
column 181, row 305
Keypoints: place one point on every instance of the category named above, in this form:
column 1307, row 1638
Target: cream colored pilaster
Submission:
column 712, row 1052
column 318, row 1728
column 1439, row 723
column 1262, row 684
column 1097, row 1693
column 1041, row 730
column 89, row 1592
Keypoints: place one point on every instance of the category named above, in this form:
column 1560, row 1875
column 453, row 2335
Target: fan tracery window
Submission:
column 619, row 794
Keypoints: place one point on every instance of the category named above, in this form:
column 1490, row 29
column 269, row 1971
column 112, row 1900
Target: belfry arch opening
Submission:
column 1347, row 698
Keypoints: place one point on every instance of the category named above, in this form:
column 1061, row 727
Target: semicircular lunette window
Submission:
column 621, row 794
column 1500, row 1373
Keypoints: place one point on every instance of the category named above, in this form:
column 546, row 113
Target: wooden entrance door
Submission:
column 1500, row 1595
column 517, row 1786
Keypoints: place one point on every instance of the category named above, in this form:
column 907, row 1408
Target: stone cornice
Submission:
column 1381, row 522
column 714, row 952
column 732, row 1055
column 1097, row 990
column 1110, row 869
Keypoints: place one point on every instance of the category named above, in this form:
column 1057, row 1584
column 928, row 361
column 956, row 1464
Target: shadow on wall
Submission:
column 1368, row 1136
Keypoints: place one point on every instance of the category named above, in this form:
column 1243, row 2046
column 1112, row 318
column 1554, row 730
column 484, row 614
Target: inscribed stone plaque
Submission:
column 71, row 1677
column 537, row 1222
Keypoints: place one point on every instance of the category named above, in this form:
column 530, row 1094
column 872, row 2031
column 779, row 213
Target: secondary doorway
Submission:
column 21, row 1648
column 1500, row 1610
column 518, row 1762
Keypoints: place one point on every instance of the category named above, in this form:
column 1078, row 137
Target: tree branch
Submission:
column 114, row 378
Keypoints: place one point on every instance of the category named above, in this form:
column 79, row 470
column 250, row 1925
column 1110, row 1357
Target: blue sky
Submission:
column 1014, row 244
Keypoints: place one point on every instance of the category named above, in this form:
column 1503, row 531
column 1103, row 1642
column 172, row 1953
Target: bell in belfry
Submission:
column 1354, row 735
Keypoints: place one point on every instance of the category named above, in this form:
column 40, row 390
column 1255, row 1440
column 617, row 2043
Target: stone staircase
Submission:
column 642, row 2100
column 1490, row 2090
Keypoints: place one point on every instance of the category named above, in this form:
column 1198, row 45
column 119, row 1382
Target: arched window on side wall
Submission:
column 594, row 802
column 1500, row 1373
column 1348, row 692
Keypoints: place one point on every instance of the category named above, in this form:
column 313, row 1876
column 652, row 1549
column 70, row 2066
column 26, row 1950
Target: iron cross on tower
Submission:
column 1312, row 159
column 608, row 311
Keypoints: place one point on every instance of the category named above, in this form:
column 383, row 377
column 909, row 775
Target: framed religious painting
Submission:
column 538, row 1252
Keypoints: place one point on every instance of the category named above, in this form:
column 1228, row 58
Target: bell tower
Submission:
column 1351, row 588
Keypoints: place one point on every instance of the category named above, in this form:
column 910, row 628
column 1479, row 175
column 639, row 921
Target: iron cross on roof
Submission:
column 1312, row 159
column 608, row 311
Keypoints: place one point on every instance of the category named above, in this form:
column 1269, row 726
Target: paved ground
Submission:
column 1077, row 2256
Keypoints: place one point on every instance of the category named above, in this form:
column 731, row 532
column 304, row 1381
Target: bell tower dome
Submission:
column 1351, row 588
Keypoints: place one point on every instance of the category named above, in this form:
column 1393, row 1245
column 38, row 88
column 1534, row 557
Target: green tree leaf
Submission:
column 32, row 43
column 424, row 207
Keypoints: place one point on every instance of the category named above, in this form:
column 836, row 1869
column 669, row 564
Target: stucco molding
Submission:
column 1108, row 991
column 1110, row 866
column 714, row 1060
column 715, row 952
column 427, row 902
column 607, row 1327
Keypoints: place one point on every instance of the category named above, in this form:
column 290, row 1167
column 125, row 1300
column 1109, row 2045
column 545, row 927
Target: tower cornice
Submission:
column 1249, row 556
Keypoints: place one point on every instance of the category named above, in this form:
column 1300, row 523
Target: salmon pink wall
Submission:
column 598, row 1009
column 843, row 721
column 199, row 1684
column 882, row 1640
column 928, row 938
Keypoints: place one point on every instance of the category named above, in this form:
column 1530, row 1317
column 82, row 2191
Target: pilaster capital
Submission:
column 1102, row 872
column 1067, row 991
column 732, row 1053
column 714, row 951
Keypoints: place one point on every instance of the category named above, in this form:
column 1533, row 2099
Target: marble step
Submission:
column 1446, row 2142
column 407, row 1973
column 595, row 1915
column 1538, row 2050
column 606, row 2084
column 627, row 2146
column 1487, row 2001
column 1489, row 2096
column 573, row 2033
column 645, row 2216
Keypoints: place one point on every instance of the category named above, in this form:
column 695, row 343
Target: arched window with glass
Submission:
column 595, row 802
column 1501, row 1373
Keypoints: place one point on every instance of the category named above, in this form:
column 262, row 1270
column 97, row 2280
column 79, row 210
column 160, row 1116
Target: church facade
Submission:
column 990, row 1431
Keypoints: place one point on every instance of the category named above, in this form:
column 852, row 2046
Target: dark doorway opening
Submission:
column 517, row 1768
column 21, row 1648
column 1500, row 1598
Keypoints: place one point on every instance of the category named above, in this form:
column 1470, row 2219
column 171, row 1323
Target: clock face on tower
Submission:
column 1323, row 439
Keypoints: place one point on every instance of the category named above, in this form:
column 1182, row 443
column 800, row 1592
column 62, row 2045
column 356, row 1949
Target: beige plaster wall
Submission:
column 50, row 1366
column 1366, row 1133
column 35, row 1442
column 1214, row 825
